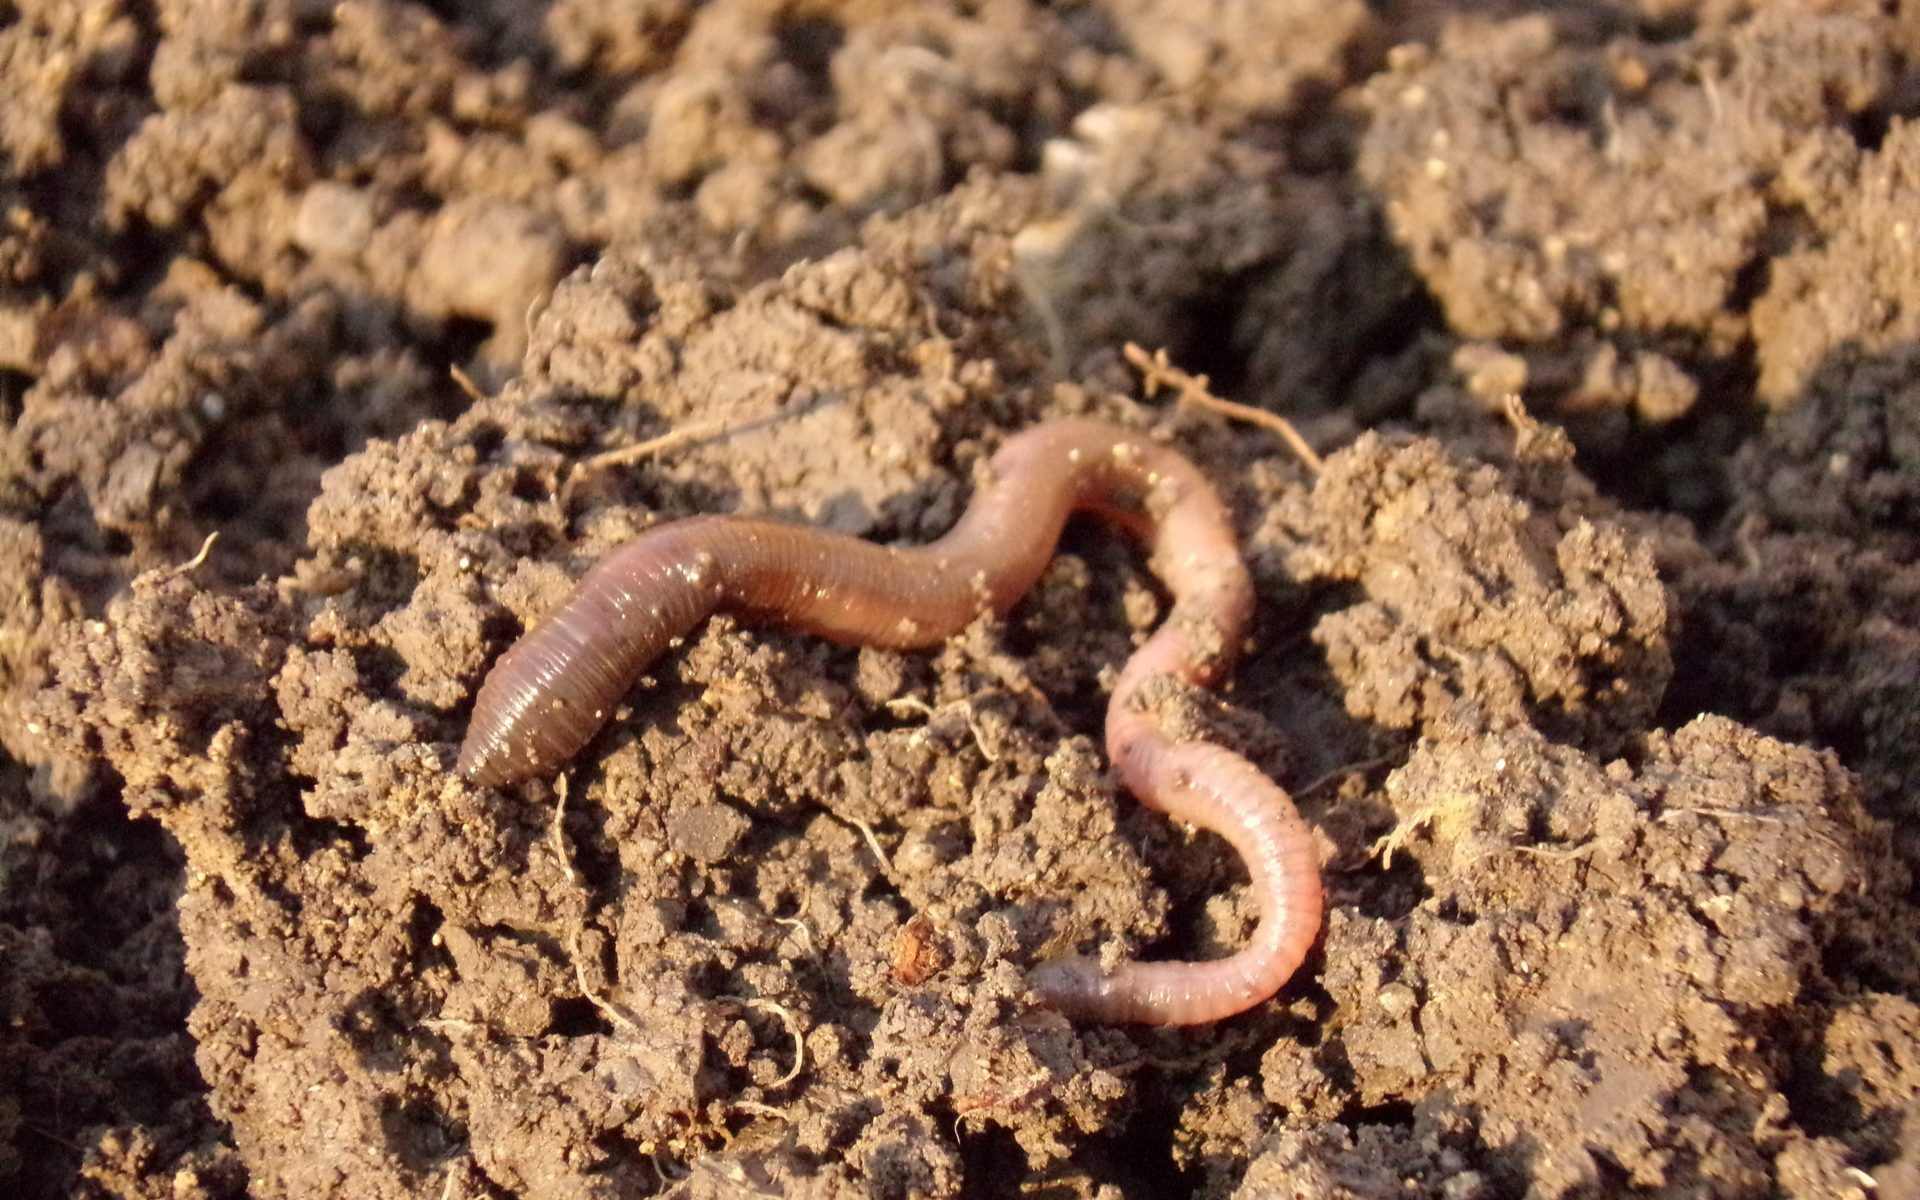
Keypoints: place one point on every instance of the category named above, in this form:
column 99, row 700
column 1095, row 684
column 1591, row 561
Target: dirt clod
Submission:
column 1586, row 637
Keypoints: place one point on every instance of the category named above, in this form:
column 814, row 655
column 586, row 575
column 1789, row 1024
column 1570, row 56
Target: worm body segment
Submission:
column 554, row 689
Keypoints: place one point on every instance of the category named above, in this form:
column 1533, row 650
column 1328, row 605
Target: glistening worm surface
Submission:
column 550, row 693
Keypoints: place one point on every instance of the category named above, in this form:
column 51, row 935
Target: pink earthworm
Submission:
column 553, row 690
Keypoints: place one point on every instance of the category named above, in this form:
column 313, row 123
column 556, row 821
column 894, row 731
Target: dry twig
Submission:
column 1157, row 372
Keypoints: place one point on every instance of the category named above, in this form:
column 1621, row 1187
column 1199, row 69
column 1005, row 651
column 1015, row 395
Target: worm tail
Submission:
column 1216, row 789
column 550, row 693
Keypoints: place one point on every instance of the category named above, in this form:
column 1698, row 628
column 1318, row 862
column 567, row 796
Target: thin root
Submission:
column 670, row 440
column 793, row 1029
column 805, row 931
column 1346, row 772
column 673, row 439
column 1013, row 1099
column 660, row 1169
column 198, row 560
column 873, row 843
column 1157, row 372
column 799, row 1040
column 448, row 1025
column 620, row 1019
column 757, row 1109
column 466, row 384
column 1396, row 837
column 1739, row 814
column 558, row 837
column 916, row 704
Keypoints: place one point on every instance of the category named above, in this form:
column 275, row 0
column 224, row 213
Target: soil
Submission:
column 1592, row 654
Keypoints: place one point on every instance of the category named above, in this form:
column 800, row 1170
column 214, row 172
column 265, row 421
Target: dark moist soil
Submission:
column 1593, row 654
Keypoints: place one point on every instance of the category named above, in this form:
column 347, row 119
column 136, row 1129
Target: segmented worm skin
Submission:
column 554, row 689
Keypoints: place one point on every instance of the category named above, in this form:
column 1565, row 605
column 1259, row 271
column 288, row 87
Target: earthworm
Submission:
column 552, row 691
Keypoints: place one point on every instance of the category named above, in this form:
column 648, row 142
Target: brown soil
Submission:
column 1603, row 710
